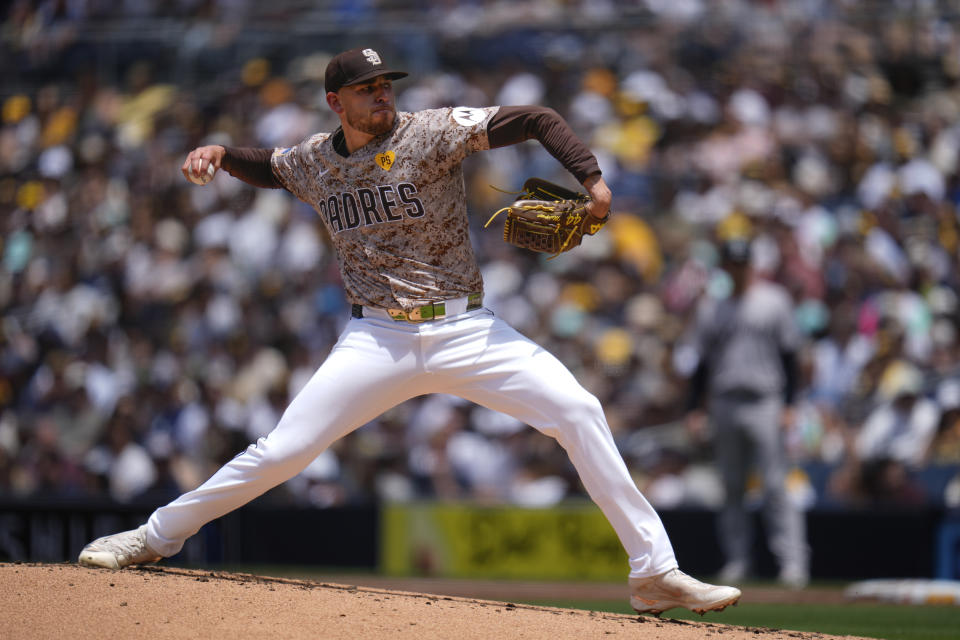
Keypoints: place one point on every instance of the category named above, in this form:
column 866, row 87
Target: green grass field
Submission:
column 892, row 622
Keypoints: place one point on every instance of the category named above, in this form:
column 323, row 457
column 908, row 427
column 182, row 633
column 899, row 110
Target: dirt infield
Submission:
column 66, row 600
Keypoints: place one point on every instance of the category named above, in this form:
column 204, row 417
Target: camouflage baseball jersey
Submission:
column 396, row 208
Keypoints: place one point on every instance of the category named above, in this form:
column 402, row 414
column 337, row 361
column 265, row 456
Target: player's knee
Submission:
column 582, row 410
column 588, row 405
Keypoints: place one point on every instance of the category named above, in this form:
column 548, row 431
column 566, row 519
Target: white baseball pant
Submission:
column 378, row 363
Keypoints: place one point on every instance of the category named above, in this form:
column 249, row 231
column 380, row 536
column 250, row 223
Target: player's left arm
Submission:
column 791, row 376
column 789, row 347
column 511, row 125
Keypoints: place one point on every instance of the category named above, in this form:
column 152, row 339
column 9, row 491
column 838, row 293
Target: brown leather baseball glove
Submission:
column 548, row 218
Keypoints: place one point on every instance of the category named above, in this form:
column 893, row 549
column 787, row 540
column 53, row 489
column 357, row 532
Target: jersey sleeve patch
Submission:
column 469, row 116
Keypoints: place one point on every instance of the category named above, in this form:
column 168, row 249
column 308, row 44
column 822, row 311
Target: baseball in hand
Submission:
column 201, row 178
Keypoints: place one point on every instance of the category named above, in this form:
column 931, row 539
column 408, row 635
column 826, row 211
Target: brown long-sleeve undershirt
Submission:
column 251, row 165
column 509, row 126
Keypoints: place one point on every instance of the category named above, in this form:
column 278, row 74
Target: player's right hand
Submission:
column 198, row 160
column 600, row 196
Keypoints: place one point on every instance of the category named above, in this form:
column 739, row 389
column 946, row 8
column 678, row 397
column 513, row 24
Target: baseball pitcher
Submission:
column 389, row 188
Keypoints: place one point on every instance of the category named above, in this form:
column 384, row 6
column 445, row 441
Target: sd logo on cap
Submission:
column 356, row 66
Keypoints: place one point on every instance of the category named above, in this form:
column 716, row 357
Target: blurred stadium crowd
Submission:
column 151, row 329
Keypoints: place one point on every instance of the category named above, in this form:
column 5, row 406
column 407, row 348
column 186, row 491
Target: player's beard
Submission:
column 374, row 124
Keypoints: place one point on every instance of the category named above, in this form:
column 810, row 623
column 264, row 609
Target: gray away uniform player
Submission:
column 747, row 346
column 389, row 188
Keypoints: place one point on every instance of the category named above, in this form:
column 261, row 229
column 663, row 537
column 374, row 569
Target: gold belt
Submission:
column 431, row 311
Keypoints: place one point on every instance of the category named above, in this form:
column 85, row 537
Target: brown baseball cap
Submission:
column 356, row 66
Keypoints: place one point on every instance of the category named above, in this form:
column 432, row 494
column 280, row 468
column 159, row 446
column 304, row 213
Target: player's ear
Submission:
column 334, row 101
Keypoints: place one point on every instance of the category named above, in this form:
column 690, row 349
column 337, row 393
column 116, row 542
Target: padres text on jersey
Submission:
column 376, row 205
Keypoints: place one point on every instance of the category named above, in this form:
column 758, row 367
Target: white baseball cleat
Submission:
column 119, row 550
column 676, row 589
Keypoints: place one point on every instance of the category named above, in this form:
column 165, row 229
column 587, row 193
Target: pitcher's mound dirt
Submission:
column 70, row 601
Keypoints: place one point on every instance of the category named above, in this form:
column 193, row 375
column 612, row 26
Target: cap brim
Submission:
column 374, row 73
